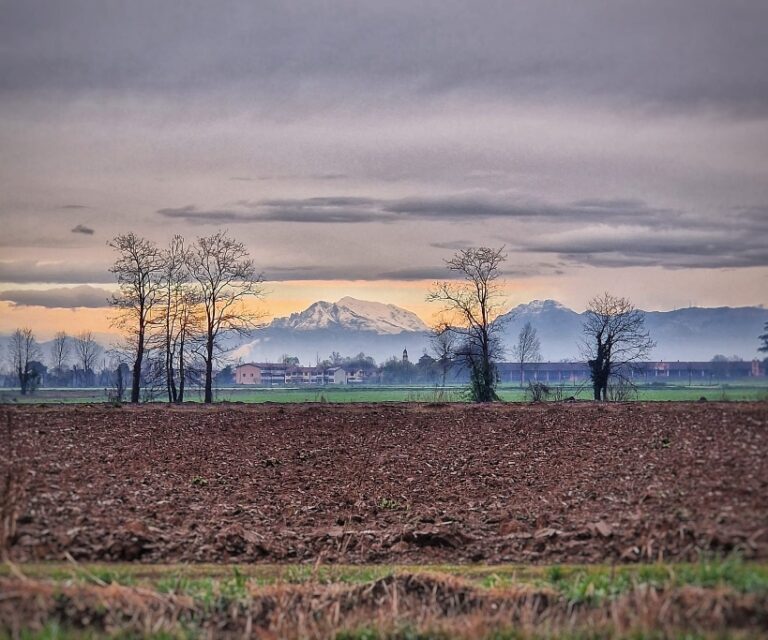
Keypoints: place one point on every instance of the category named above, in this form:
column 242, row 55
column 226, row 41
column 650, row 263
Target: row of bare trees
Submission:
column 25, row 357
column 182, row 299
column 469, row 327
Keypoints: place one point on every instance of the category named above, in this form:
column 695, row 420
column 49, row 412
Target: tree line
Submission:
column 176, row 304
column 72, row 360
column 180, row 302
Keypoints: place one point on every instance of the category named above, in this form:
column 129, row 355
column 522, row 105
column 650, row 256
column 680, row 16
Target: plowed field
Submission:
column 393, row 483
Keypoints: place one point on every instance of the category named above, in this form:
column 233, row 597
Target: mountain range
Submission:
column 350, row 326
column 384, row 330
column 693, row 333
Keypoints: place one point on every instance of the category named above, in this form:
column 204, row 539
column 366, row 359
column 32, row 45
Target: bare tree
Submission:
column 137, row 269
column 227, row 279
column 615, row 337
column 119, row 373
column 60, row 349
column 443, row 342
column 527, row 349
column 178, row 315
column 23, row 350
column 470, row 311
column 87, row 350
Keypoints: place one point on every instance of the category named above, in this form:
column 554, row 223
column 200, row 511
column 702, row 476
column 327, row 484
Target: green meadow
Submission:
column 732, row 392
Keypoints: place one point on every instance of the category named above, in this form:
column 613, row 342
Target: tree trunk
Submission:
column 182, row 374
column 136, row 382
column 209, row 370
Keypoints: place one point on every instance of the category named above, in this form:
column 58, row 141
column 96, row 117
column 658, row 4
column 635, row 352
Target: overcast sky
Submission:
column 607, row 144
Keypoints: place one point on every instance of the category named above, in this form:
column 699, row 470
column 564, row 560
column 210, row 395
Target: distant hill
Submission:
column 695, row 333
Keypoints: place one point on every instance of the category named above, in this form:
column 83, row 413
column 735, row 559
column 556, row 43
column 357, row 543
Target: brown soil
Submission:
column 387, row 483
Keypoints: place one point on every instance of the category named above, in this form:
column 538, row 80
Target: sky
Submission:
column 355, row 146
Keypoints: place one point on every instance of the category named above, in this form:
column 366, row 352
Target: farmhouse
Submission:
column 269, row 374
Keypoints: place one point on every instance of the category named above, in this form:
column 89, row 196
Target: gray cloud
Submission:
column 314, row 203
column 689, row 54
column 471, row 207
column 81, row 228
column 309, row 214
column 244, row 111
column 597, row 231
column 65, row 297
column 316, row 272
column 646, row 257
column 454, row 245
column 192, row 214
column 30, row 271
column 329, row 176
column 418, row 273
column 456, row 208
column 678, row 249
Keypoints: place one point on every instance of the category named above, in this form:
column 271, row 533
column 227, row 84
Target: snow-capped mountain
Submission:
column 535, row 307
column 353, row 314
column 348, row 326
column 383, row 331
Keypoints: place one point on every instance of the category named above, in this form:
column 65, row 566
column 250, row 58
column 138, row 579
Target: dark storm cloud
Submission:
column 81, row 228
column 683, row 54
column 28, row 271
column 60, row 298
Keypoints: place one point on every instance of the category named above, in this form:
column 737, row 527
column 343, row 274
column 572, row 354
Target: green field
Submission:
column 745, row 391
column 574, row 581
column 717, row 598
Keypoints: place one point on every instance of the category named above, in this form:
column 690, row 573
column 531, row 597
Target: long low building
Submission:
column 268, row 374
column 273, row 374
column 568, row 372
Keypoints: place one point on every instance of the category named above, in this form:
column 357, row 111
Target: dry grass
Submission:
column 401, row 605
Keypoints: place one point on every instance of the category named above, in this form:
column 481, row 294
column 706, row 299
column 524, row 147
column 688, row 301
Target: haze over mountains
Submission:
column 350, row 326
column 382, row 331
